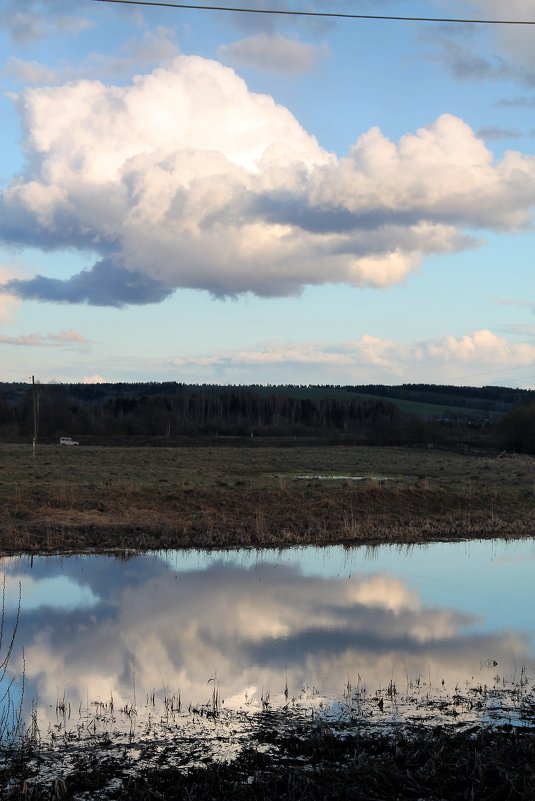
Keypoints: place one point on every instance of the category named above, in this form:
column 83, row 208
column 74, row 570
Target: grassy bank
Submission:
column 82, row 498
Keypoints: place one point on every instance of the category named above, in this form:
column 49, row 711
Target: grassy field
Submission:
column 427, row 410
column 83, row 498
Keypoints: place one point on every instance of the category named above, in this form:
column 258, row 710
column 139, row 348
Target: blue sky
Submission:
column 234, row 198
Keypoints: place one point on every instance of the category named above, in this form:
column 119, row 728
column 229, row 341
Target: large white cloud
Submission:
column 185, row 178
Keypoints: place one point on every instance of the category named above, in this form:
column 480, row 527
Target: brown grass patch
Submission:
column 90, row 498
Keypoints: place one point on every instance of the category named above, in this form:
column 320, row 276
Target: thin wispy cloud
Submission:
column 517, row 102
column 274, row 53
column 33, row 20
column 521, row 304
column 65, row 339
column 368, row 359
column 497, row 133
column 486, row 53
column 465, row 64
column 520, row 329
column 146, row 49
column 32, row 72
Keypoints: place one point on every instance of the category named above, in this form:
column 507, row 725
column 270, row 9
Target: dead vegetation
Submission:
column 89, row 498
column 294, row 760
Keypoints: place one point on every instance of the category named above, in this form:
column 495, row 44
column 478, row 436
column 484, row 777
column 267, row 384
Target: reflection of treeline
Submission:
column 368, row 414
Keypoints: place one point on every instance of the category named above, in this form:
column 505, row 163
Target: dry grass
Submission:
column 97, row 497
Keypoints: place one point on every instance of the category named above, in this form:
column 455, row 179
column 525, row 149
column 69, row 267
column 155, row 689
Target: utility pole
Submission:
column 34, row 398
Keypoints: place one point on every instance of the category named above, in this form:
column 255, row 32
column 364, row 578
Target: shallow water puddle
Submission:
column 137, row 647
column 320, row 477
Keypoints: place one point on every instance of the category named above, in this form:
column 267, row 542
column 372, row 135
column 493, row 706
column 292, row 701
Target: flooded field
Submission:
column 131, row 647
column 293, row 673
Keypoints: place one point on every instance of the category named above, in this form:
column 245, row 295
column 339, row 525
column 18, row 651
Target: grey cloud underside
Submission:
column 281, row 653
column 105, row 284
column 313, row 216
column 18, row 226
column 287, row 209
column 338, row 231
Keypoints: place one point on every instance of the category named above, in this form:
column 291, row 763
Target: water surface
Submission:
column 380, row 631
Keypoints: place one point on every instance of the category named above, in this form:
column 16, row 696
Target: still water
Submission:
column 338, row 631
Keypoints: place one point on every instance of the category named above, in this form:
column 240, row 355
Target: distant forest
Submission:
column 163, row 413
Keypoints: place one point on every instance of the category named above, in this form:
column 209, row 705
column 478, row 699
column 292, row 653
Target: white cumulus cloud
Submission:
column 185, row 178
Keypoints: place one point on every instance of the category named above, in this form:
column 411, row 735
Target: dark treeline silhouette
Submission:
column 491, row 398
column 163, row 410
column 368, row 414
column 518, row 429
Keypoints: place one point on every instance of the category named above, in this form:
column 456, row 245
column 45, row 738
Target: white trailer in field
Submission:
column 68, row 441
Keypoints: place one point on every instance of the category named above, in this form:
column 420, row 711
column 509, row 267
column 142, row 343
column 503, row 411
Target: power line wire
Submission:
column 493, row 372
column 522, row 378
column 329, row 14
column 510, row 380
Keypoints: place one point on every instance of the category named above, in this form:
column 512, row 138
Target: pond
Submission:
column 438, row 632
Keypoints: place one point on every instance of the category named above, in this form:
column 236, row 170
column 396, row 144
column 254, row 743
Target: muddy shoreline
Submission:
column 290, row 760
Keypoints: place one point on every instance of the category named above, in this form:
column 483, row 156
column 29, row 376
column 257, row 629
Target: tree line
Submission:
column 149, row 410
column 172, row 410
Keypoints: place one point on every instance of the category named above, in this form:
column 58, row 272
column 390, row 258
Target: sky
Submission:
column 234, row 198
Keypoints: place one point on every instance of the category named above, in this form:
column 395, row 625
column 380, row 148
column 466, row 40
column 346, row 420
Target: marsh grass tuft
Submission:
column 11, row 724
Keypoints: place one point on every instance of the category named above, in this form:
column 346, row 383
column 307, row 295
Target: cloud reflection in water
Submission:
column 255, row 627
